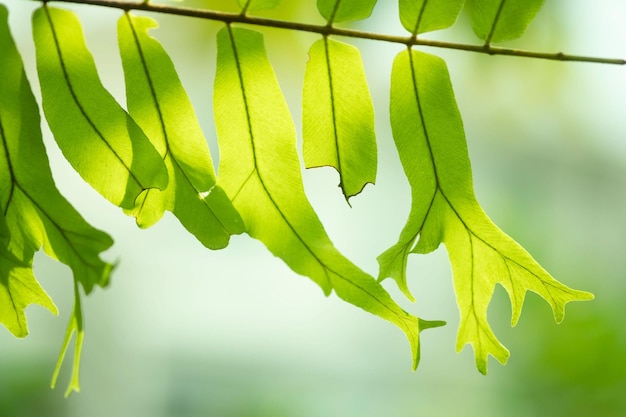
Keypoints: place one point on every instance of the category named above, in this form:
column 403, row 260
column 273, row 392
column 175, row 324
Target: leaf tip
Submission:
column 559, row 311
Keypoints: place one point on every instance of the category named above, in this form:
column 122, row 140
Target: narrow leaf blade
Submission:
column 338, row 115
column 74, row 327
column 259, row 169
column 99, row 139
column 159, row 104
column 34, row 213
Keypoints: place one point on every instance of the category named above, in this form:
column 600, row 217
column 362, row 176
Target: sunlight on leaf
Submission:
column 345, row 10
column 338, row 115
column 419, row 16
column 75, row 326
column 502, row 20
column 159, row 104
column 428, row 132
column 34, row 211
column 99, row 139
column 260, row 171
column 19, row 289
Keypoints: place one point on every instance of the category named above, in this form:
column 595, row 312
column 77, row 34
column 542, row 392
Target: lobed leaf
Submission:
column 419, row 16
column 34, row 213
column 338, row 115
column 428, row 132
column 253, row 5
column 18, row 290
column 260, row 171
column 158, row 102
column 18, row 286
column 345, row 10
column 101, row 141
column 502, row 20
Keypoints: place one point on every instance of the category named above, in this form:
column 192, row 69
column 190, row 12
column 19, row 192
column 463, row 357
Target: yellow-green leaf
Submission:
column 253, row 5
column 338, row 115
column 419, row 16
column 34, row 213
column 260, row 171
column 19, row 289
column 159, row 104
column 502, row 20
column 345, row 10
column 101, row 141
column 428, row 132
column 75, row 326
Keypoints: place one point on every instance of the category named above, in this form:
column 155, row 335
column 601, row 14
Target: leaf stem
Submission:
column 327, row 30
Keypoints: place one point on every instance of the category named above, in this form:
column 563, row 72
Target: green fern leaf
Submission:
column 35, row 214
column 502, row 20
column 159, row 104
column 345, row 10
column 338, row 115
column 260, row 171
column 419, row 16
column 101, row 141
column 428, row 132
column 18, row 290
column 75, row 326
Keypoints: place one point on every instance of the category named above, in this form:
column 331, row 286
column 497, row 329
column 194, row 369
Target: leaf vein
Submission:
column 79, row 104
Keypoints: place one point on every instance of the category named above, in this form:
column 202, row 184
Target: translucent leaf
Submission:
column 159, row 104
column 19, row 289
column 345, row 10
column 18, row 286
column 338, row 115
column 260, row 171
column 419, row 16
column 99, row 139
column 428, row 132
column 33, row 211
column 501, row 20
column 252, row 5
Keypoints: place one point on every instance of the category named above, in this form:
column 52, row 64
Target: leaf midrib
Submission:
column 168, row 153
column 327, row 269
column 496, row 19
column 15, row 183
column 443, row 194
column 79, row 104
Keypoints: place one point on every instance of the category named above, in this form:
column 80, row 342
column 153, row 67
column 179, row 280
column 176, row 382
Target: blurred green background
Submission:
column 185, row 332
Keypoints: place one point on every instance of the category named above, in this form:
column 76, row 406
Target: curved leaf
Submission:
column 345, row 10
column 99, row 139
column 260, row 171
column 428, row 132
column 338, row 115
column 502, row 20
column 159, row 104
column 419, row 16
column 34, row 211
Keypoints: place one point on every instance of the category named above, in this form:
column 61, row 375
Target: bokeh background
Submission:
column 185, row 332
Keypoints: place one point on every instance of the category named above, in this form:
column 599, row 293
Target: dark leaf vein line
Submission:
column 274, row 203
column 168, row 153
column 77, row 101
